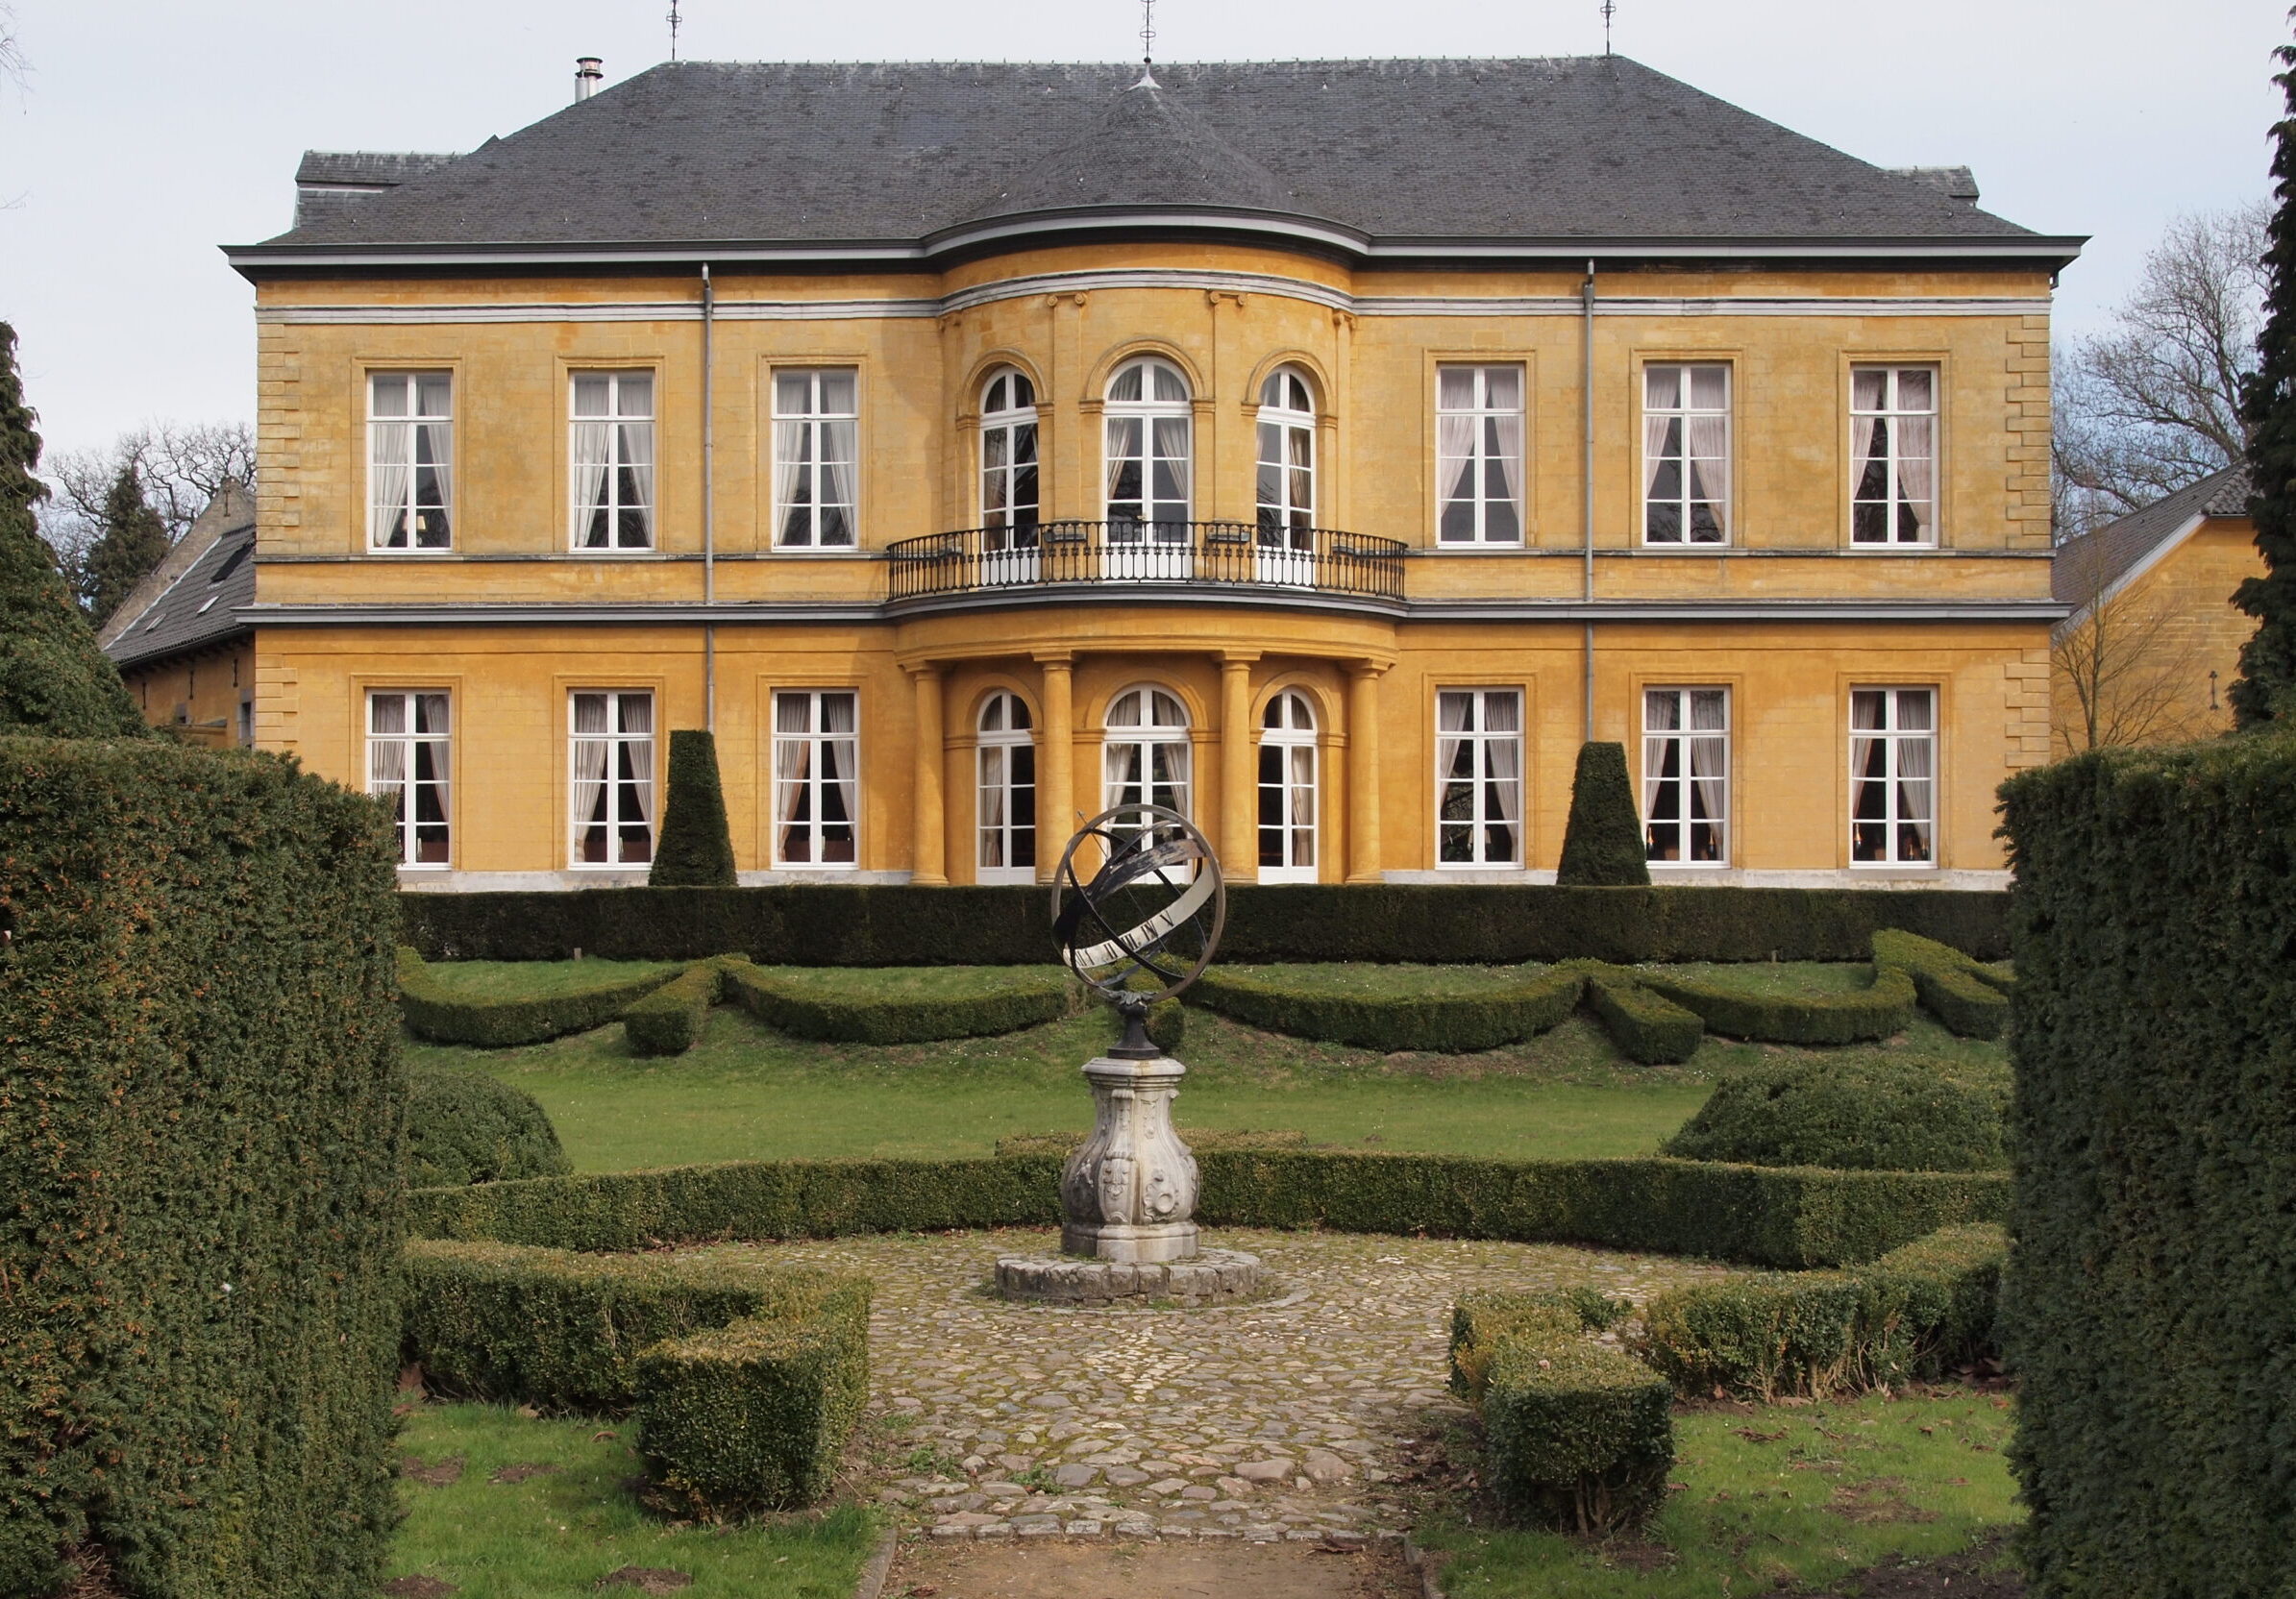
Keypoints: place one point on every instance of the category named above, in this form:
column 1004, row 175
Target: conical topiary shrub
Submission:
column 1602, row 847
column 697, row 848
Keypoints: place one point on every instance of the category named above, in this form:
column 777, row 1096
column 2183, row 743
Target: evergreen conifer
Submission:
column 697, row 848
column 1602, row 844
column 53, row 678
column 134, row 541
column 2265, row 690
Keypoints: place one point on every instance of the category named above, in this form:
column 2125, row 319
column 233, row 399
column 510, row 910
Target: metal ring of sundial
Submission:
column 1143, row 845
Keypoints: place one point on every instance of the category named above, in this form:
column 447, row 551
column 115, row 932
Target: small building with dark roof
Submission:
column 181, row 639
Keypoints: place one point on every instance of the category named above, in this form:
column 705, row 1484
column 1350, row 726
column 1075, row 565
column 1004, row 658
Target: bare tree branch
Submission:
column 182, row 466
column 2128, row 667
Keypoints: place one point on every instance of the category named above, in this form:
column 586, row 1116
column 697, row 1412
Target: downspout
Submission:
column 709, row 505
column 1586, row 391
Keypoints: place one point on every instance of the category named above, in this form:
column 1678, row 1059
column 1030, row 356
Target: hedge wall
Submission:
column 1769, row 1217
column 438, row 1012
column 2152, row 1297
column 1472, row 925
column 201, row 1146
column 1647, row 1027
column 877, row 1007
column 1453, row 1010
column 1871, row 1012
column 1971, row 1000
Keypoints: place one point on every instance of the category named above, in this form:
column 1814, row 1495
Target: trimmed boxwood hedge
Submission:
column 669, row 1020
column 1435, row 924
column 1970, row 998
column 1581, row 1437
column 892, row 1006
column 464, row 1126
column 434, row 1011
column 745, row 1380
column 2151, row 1300
column 1646, row 1026
column 1885, row 1115
column 1871, row 1012
column 1791, row 1218
column 202, row 1149
column 1454, row 1010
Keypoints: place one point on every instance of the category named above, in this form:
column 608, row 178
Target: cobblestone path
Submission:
column 1276, row 1420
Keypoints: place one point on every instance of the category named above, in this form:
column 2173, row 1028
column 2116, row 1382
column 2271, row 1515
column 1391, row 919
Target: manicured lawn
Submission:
column 1774, row 1496
column 536, row 980
column 1777, row 979
column 1357, row 979
column 747, row 1092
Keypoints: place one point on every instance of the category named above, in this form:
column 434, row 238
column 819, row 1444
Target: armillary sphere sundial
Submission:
column 1141, row 928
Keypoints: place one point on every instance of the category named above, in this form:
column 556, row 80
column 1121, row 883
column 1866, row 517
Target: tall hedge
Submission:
column 2151, row 1298
column 697, row 846
column 1602, row 841
column 200, row 1154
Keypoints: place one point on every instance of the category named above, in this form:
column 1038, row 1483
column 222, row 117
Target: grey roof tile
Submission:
column 195, row 611
column 2085, row 567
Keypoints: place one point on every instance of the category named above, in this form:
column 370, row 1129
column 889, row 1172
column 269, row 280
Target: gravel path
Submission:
column 1278, row 1420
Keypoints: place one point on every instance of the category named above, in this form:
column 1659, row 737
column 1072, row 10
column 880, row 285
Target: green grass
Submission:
column 538, row 980
column 1777, row 979
column 863, row 984
column 558, row 1534
column 1359, row 980
column 1775, row 1495
column 748, row 1093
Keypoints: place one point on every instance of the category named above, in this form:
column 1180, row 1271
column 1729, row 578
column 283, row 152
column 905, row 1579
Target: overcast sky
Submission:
column 149, row 132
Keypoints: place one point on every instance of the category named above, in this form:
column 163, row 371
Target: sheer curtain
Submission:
column 793, row 477
column 1662, row 713
column 792, row 722
column 1912, row 799
column 593, row 451
column 637, row 755
column 432, row 721
column 992, row 806
column 1125, row 467
column 387, row 758
column 838, row 769
column 390, row 451
column 1172, row 434
column 1303, row 818
column 1455, row 449
column 1710, row 756
column 1914, row 453
column 591, row 749
column 637, row 456
column 1503, row 745
column 840, row 443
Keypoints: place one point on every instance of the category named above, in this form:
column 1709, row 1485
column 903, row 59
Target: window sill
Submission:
column 1687, row 865
column 1910, row 869
column 843, row 552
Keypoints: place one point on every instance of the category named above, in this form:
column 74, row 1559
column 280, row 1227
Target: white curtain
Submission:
column 1455, row 454
column 839, row 444
column 837, row 720
column 432, row 719
column 593, row 451
column 1454, row 714
column 1303, row 818
column 793, row 723
column 1122, row 763
column 1710, row 756
column 793, row 482
column 1913, row 468
column 1168, row 766
column 590, row 748
column 1913, row 799
column 991, row 804
column 1661, row 445
column 637, row 719
column 1504, row 757
column 391, row 448
column 1170, row 484
column 1707, row 464
column 1662, row 713
column 434, row 449
column 637, row 453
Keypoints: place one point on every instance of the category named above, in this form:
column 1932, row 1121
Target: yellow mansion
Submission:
column 1323, row 449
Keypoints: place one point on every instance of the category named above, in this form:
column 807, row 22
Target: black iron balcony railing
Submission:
column 1062, row 553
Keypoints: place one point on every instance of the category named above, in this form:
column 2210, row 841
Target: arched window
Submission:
column 1287, row 483
column 1146, row 749
column 1288, row 790
column 1008, row 492
column 1150, row 454
column 1005, row 766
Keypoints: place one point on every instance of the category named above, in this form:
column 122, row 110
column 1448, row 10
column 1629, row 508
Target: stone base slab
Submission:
column 1214, row 1277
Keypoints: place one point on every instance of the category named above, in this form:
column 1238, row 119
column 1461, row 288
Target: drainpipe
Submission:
column 709, row 505
column 1586, row 389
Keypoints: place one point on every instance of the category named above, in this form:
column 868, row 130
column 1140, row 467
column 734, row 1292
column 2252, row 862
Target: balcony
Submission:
column 1184, row 555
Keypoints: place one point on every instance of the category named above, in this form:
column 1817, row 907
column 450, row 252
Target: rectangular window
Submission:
column 1685, row 454
column 1893, row 776
column 612, row 453
column 612, row 786
column 1478, row 453
column 1894, row 436
column 1686, row 775
column 816, row 778
column 1479, row 777
column 411, row 460
column 817, row 428
column 408, row 758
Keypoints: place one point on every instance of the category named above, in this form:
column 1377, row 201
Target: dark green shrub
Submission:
column 1434, row 925
column 1166, row 1025
column 1877, row 1012
column 201, row 1143
column 436, row 1011
column 464, row 1126
column 1454, row 1010
column 697, row 848
column 1934, row 1304
column 1968, row 998
column 2151, row 1298
column 670, row 1019
column 1197, row 1140
column 746, row 1380
column 1851, row 1116
column 1602, row 841
column 1646, row 1026
column 901, row 1005
column 1581, row 1437
column 1789, row 1219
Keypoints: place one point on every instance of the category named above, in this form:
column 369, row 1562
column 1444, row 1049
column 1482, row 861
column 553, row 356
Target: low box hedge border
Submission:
column 799, row 1001
column 669, row 1020
column 436, row 1012
column 1970, row 998
column 1787, row 1218
column 1877, row 1012
column 745, row 1380
column 1283, row 1000
column 1648, row 1028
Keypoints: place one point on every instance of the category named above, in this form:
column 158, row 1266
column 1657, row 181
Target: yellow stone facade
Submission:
column 1789, row 617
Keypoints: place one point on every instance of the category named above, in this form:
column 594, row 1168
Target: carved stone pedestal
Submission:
column 1129, row 1193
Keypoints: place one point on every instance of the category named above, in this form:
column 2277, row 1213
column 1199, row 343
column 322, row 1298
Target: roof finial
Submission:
column 672, row 20
column 1148, row 45
column 1609, row 7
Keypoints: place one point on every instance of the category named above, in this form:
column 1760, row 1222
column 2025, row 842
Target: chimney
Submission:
column 588, row 73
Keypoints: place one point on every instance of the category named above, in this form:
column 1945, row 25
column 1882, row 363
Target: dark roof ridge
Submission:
column 2088, row 564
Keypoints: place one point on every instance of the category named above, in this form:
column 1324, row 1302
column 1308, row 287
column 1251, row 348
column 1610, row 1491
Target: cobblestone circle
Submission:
column 1278, row 1420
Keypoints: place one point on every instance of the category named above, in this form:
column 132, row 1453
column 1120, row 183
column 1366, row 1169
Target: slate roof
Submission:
column 2085, row 567
column 329, row 180
column 1582, row 149
column 196, row 609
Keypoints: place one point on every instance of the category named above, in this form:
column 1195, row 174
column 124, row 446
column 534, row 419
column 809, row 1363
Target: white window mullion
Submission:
column 1479, row 776
column 1893, row 777
column 816, row 778
column 1685, row 776
column 408, row 767
column 1478, row 455
column 610, row 788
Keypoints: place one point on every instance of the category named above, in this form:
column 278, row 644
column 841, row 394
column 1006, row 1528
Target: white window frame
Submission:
column 1002, row 748
column 1683, row 780
column 1481, row 750
column 1679, row 417
column 1892, row 742
column 1152, row 524
column 421, row 528
column 1287, row 808
column 810, row 765
column 1472, row 438
column 1147, row 736
column 628, row 801
column 628, row 477
column 1286, row 480
column 804, row 443
column 1894, row 421
column 1009, row 419
column 406, row 749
